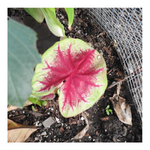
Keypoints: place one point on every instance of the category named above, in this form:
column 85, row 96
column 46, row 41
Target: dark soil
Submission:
column 103, row 128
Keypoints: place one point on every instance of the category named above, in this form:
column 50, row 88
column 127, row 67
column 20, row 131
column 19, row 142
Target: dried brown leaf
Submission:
column 82, row 133
column 116, row 83
column 122, row 109
column 19, row 135
column 86, row 128
column 14, row 125
column 10, row 107
column 19, row 132
column 27, row 103
column 118, row 88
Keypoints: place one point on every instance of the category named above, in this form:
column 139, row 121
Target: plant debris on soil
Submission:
column 93, row 125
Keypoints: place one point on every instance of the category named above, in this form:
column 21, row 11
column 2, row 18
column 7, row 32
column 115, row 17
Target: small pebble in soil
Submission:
column 89, row 137
column 43, row 133
column 68, row 127
column 125, row 131
column 38, row 134
column 40, row 124
column 82, row 118
column 101, row 52
column 63, row 22
column 113, row 81
column 56, row 111
column 48, row 113
column 52, row 109
column 79, row 31
column 57, row 120
column 36, row 138
column 37, row 123
column 57, row 140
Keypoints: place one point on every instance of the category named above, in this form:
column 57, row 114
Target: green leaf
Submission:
column 107, row 111
column 110, row 110
column 22, row 58
column 36, row 13
column 53, row 10
column 77, row 69
column 53, row 24
column 35, row 101
column 107, row 106
column 33, row 108
column 43, row 102
column 70, row 13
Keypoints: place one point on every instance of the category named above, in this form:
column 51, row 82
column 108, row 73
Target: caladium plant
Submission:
column 75, row 71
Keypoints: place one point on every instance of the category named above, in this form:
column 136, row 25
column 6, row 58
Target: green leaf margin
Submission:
column 70, row 13
column 36, row 13
column 22, row 58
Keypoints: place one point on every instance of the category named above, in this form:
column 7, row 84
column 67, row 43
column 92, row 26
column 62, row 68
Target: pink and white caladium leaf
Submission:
column 77, row 70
